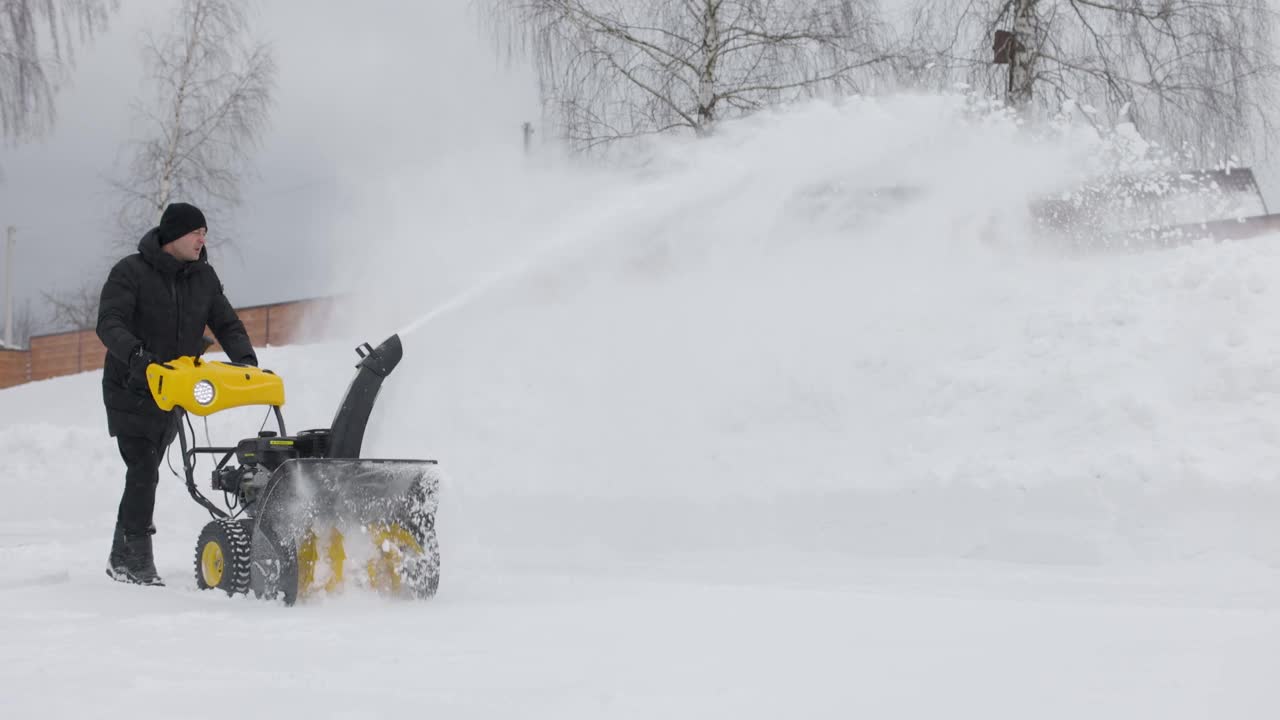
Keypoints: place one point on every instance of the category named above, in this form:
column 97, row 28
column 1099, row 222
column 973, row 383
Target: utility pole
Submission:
column 8, row 287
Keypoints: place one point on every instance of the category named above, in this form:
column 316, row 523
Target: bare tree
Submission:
column 1198, row 74
column 611, row 69
column 213, row 91
column 74, row 309
column 37, row 45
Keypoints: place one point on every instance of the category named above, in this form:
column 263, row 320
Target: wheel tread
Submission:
column 236, row 551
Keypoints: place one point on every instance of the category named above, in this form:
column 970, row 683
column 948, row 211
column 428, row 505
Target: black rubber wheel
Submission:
column 222, row 557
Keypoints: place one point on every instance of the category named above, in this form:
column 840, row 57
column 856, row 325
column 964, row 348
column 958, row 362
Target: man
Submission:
column 155, row 306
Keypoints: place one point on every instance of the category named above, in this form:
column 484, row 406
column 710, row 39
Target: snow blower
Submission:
column 304, row 514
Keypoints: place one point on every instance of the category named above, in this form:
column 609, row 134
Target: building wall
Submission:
column 79, row 351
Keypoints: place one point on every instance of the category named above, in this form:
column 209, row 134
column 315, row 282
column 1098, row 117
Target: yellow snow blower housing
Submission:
column 304, row 513
column 203, row 387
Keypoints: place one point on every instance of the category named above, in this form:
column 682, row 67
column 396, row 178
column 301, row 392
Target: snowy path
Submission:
column 888, row 639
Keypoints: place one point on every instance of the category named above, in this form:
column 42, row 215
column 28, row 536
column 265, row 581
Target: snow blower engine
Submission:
column 304, row 514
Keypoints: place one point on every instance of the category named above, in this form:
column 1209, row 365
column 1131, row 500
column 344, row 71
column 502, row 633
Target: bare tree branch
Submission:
column 212, row 97
column 1193, row 74
column 74, row 309
column 617, row 69
column 30, row 73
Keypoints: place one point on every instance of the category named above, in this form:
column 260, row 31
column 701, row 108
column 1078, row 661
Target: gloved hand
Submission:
column 138, row 363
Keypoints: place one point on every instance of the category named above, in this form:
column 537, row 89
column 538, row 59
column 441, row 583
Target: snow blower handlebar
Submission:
column 204, row 387
column 189, row 458
column 190, row 385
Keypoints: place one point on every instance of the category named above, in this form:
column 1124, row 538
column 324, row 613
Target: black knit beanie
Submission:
column 178, row 220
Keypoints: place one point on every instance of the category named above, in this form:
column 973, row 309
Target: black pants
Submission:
column 142, row 456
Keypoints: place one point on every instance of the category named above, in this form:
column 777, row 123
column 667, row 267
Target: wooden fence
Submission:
column 78, row 351
column 15, row 367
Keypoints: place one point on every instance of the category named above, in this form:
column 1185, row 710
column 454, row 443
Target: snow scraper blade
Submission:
column 326, row 524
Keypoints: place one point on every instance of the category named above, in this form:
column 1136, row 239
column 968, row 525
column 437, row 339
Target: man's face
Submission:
column 187, row 248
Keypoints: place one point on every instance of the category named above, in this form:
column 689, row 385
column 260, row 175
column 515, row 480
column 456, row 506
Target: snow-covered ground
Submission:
column 733, row 435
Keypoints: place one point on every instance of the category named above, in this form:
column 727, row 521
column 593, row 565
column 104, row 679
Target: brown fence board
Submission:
column 297, row 322
column 15, row 367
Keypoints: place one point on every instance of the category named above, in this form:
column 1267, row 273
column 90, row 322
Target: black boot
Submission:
column 136, row 563
column 117, row 557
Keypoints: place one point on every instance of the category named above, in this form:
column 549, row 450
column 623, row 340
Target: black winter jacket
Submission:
column 154, row 301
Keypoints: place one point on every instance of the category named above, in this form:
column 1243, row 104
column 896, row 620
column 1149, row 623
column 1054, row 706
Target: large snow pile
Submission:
column 755, row 343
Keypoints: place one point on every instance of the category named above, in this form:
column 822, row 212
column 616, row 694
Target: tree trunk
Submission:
column 1022, row 57
column 180, row 96
column 707, row 78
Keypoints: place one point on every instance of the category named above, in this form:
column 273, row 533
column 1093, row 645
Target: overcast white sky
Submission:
column 365, row 92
